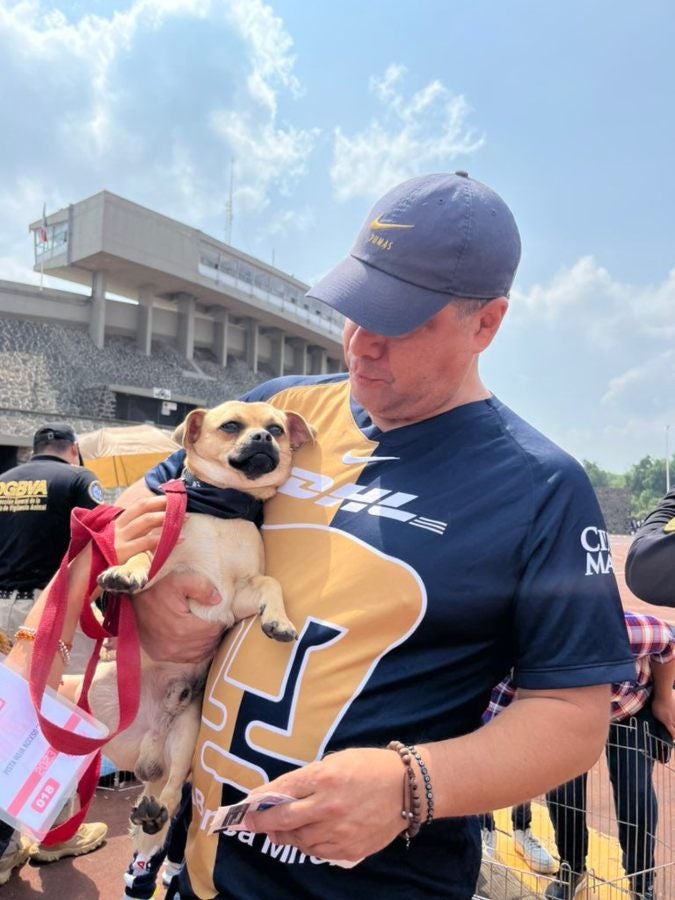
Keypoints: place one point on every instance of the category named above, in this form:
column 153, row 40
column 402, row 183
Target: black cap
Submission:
column 54, row 431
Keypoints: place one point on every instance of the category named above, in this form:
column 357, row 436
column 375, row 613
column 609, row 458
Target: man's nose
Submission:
column 366, row 343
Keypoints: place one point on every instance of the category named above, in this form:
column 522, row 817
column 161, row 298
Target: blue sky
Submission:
column 565, row 108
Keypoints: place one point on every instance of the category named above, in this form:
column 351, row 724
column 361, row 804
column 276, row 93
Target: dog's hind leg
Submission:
column 179, row 749
column 140, row 879
column 159, row 802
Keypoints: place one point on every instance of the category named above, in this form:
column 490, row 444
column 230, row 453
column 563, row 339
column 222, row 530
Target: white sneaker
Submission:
column 489, row 842
column 535, row 855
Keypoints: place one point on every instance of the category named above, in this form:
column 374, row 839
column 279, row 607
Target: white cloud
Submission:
column 645, row 385
column 414, row 134
column 595, row 361
column 270, row 45
column 263, row 154
column 603, row 311
column 296, row 220
column 151, row 101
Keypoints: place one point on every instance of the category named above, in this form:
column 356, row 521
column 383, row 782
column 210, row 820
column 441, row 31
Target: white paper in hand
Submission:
column 235, row 817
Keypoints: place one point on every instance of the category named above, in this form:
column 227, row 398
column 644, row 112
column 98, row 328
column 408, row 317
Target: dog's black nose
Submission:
column 261, row 437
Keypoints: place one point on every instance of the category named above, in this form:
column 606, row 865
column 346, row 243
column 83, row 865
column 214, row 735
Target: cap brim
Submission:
column 375, row 300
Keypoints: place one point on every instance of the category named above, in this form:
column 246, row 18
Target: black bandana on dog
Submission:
column 224, row 503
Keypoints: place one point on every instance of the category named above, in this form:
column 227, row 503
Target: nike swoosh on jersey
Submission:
column 376, row 225
column 350, row 460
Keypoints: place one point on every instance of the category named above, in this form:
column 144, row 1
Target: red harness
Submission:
column 96, row 527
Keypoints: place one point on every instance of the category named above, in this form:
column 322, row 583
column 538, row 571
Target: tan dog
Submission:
column 246, row 446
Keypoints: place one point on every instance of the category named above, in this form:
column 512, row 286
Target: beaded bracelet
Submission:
column 28, row 634
column 411, row 796
column 428, row 791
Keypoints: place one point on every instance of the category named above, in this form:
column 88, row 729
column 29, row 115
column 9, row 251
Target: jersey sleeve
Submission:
column 268, row 389
column 167, row 470
column 568, row 621
column 650, row 564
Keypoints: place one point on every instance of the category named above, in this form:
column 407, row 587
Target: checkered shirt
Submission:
column 650, row 639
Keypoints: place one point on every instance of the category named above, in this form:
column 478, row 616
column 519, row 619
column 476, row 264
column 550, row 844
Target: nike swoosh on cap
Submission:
column 376, row 225
column 350, row 460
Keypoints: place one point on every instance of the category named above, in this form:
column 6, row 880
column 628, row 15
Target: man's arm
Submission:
column 136, row 530
column 650, row 564
column 167, row 628
column 663, row 698
column 350, row 803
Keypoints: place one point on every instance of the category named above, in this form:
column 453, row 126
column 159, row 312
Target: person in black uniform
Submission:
column 36, row 499
column 650, row 564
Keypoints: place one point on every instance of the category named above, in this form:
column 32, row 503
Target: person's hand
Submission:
column 349, row 805
column 167, row 629
column 138, row 527
column 663, row 709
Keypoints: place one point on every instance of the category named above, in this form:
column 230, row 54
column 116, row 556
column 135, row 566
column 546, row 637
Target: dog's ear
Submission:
column 188, row 431
column 300, row 432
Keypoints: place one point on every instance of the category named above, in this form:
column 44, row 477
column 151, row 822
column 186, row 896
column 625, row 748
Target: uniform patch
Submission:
column 96, row 491
column 669, row 526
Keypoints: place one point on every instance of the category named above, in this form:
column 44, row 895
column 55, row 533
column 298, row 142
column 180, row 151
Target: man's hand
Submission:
column 349, row 805
column 167, row 629
column 138, row 528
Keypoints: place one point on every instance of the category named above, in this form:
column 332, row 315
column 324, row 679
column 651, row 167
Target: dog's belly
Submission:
column 216, row 556
column 165, row 691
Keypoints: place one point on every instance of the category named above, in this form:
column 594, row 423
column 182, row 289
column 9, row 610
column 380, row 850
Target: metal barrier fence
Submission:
column 631, row 749
column 111, row 779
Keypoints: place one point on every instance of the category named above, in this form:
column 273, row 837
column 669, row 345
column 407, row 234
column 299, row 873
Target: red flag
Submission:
column 42, row 230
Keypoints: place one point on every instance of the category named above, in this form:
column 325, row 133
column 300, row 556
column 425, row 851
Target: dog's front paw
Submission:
column 149, row 814
column 279, row 630
column 122, row 580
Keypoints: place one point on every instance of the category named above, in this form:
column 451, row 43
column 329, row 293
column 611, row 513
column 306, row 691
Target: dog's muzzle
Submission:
column 259, row 456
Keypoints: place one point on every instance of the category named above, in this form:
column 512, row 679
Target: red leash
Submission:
column 97, row 527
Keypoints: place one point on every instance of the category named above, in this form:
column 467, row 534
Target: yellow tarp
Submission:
column 120, row 456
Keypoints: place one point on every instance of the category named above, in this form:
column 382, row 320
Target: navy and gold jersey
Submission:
column 418, row 566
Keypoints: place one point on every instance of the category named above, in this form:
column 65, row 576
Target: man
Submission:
column 428, row 542
column 36, row 499
column 650, row 564
column 640, row 708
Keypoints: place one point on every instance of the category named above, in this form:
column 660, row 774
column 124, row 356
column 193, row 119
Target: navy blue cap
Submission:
column 55, row 431
column 431, row 240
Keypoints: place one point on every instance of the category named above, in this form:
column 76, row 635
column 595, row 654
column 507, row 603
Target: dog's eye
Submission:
column 230, row 427
column 275, row 430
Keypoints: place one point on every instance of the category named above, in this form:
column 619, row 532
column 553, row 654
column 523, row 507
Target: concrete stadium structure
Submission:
column 184, row 284
column 173, row 319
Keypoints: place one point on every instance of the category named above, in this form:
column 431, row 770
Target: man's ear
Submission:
column 488, row 319
column 188, row 431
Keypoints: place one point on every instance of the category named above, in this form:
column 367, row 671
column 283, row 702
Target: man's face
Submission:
column 400, row 380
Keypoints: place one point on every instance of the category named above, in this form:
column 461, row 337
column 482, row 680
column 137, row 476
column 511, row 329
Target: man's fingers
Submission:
column 150, row 504
column 141, row 525
column 145, row 542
